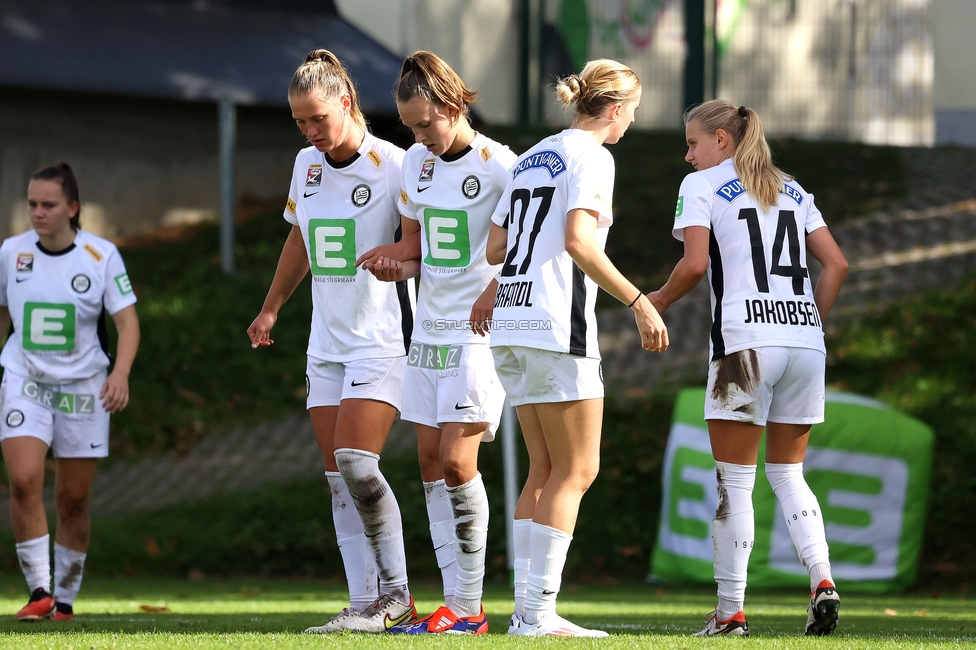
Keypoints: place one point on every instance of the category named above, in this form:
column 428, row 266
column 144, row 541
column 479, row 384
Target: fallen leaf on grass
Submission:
column 921, row 612
column 890, row 612
column 155, row 609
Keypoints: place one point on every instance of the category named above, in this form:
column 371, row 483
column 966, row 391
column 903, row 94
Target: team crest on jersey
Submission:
column 25, row 262
column 361, row 195
column 471, row 186
column 80, row 283
column 15, row 418
column 427, row 171
column 314, row 176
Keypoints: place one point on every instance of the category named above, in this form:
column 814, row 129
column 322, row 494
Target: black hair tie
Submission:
column 743, row 113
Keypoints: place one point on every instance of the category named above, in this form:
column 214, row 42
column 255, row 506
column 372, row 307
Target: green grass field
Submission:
column 243, row 613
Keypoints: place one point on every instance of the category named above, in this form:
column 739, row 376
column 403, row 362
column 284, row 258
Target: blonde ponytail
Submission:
column 322, row 73
column 753, row 158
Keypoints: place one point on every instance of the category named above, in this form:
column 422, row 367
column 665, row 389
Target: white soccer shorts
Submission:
column 532, row 376
column 775, row 384
column 329, row 382
column 452, row 383
column 69, row 418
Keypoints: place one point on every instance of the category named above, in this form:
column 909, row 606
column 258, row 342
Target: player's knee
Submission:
column 71, row 504
column 456, row 471
column 26, row 487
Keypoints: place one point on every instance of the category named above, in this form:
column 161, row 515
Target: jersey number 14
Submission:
column 786, row 233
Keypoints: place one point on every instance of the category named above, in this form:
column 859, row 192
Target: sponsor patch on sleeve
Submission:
column 94, row 253
column 290, row 206
column 122, row 282
column 375, row 157
column 679, row 210
column 485, row 154
column 403, row 197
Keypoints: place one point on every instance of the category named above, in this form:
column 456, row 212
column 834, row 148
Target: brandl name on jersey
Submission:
column 514, row 294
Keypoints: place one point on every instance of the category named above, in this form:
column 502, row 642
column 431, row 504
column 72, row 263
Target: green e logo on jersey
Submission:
column 123, row 283
column 681, row 207
column 332, row 244
column 49, row 327
column 448, row 243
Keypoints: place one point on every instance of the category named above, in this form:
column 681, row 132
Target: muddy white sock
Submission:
column 733, row 534
column 357, row 558
column 69, row 566
column 803, row 517
column 470, row 505
column 442, row 534
column 380, row 514
column 549, row 547
column 521, row 536
column 34, row 556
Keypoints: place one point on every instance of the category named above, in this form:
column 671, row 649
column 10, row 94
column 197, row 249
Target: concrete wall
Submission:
column 141, row 164
column 478, row 38
column 953, row 22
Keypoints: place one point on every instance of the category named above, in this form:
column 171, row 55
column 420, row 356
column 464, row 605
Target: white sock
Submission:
column 442, row 534
column 69, row 566
column 34, row 556
column 470, row 505
column 521, row 536
column 549, row 548
column 357, row 559
column 733, row 535
column 803, row 518
column 380, row 514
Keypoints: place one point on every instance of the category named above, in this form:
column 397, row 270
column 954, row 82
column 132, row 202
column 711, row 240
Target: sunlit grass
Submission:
column 245, row 613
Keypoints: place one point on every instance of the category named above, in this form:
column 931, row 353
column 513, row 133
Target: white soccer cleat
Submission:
column 336, row 624
column 551, row 625
column 735, row 626
column 824, row 610
column 385, row 612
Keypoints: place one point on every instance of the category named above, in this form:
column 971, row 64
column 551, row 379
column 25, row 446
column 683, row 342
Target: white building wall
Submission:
column 478, row 38
column 953, row 22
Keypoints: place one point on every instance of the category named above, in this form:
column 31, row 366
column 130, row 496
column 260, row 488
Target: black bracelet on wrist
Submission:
column 634, row 301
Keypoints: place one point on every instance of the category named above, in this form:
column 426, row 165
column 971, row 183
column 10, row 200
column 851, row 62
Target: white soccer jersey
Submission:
column 344, row 209
column 56, row 301
column 544, row 300
column 453, row 198
column 760, row 287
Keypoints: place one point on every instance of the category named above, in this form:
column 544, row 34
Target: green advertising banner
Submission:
column 869, row 467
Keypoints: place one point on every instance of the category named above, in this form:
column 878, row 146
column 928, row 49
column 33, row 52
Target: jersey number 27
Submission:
column 521, row 197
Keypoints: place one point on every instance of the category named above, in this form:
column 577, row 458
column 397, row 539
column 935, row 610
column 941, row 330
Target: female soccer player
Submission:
column 750, row 226
column 452, row 179
column 342, row 202
column 549, row 232
column 56, row 283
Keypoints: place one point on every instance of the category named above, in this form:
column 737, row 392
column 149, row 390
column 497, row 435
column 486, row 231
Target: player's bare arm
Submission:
column 483, row 308
column 823, row 248
column 408, row 248
column 582, row 247
column 292, row 268
column 115, row 390
column 687, row 273
column 497, row 244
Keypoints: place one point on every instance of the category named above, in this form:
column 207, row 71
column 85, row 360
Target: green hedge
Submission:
column 287, row 529
column 918, row 357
